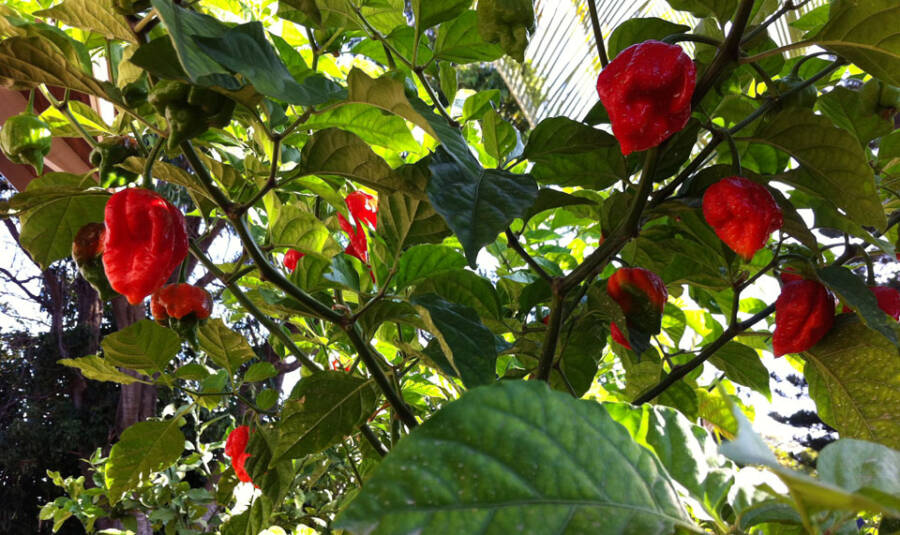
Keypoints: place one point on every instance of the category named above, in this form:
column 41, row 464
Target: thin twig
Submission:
column 517, row 247
column 598, row 34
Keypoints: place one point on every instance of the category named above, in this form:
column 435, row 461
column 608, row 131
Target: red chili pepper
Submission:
column 87, row 251
column 743, row 214
column 291, row 258
column 235, row 446
column 888, row 301
column 362, row 210
column 804, row 313
column 145, row 241
column 647, row 92
column 617, row 336
column 178, row 301
column 789, row 274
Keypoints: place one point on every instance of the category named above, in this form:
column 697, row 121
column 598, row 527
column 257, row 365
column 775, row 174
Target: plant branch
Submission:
column 147, row 181
column 545, row 364
column 728, row 52
column 254, row 311
column 431, row 94
column 776, row 51
column 598, row 33
column 788, row 6
column 680, row 371
column 221, row 200
column 532, row 263
column 373, row 440
column 271, row 182
column 63, row 108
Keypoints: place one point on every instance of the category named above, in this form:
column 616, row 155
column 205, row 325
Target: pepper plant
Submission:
column 463, row 275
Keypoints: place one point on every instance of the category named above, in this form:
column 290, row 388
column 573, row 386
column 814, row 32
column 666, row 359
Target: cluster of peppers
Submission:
column 647, row 91
column 189, row 110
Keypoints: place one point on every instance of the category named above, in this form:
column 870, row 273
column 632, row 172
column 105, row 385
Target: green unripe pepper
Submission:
column 508, row 22
column 189, row 110
column 26, row 139
column 805, row 98
column 109, row 153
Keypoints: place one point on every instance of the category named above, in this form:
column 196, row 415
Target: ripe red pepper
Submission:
column 742, row 213
column 145, row 241
column 804, row 313
column 362, row 210
column 179, row 301
column 647, row 92
column 790, row 274
column 888, row 300
column 617, row 336
column 291, row 258
column 642, row 296
column 235, row 447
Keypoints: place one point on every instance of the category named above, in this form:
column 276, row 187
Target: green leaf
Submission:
column 370, row 124
column 468, row 345
column 32, row 61
column 386, row 93
column 749, row 448
column 54, row 207
column 466, row 288
column 449, row 80
column 499, row 135
column 93, row 15
column 429, row 13
column 339, row 153
column 548, row 199
column 260, row 371
column 143, row 448
column 866, row 34
column 596, row 169
column 854, row 378
column 853, row 291
column 856, row 111
column 561, row 135
column 832, row 163
column 184, row 26
column 97, row 368
column 864, row 467
column 244, row 50
column 405, row 221
column 721, row 9
column 422, row 261
column 322, row 409
column 478, row 104
column 742, row 365
column 635, row 31
column 301, row 230
column 579, row 352
column 143, row 346
column 458, row 41
column 477, row 207
column 480, row 465
column 224, row 346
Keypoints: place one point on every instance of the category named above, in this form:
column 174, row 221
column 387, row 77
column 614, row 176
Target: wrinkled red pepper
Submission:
column 291, row 258
column 743, row 214
column 362, row 210
column 617, row 336
column 888, row 300
column 804, row 313
column 235, row 447
column 642, row 296
column 179, row 301
column 647, row 92
column 145, row 241
column 87, row 251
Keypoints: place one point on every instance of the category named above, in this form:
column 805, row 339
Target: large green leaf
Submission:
column 422, row 261
column 466, row 288
column 224, row 346
column 370, row 124
column 477, row 207
column 856, row 111
column 405, row 221
column 302, row 231
column 853, row 291
column 469, row 346
column 854, row 378
column 429, row 13
column 832, row 163
column 94, row 15
column 98, row 369
column 336, row 152
column 323, row 408
column 143, row 448
column 386, row 93
column 721, row 9
column 517, row 457
column 865, row 32
column 634, row 31
column 742, row 365
column 31, row 61
column 54, row 207
column 244, row 50
column 570, row 153
column 143, row 346
column 864, row 467
column 184, row 27
column 458, row 41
